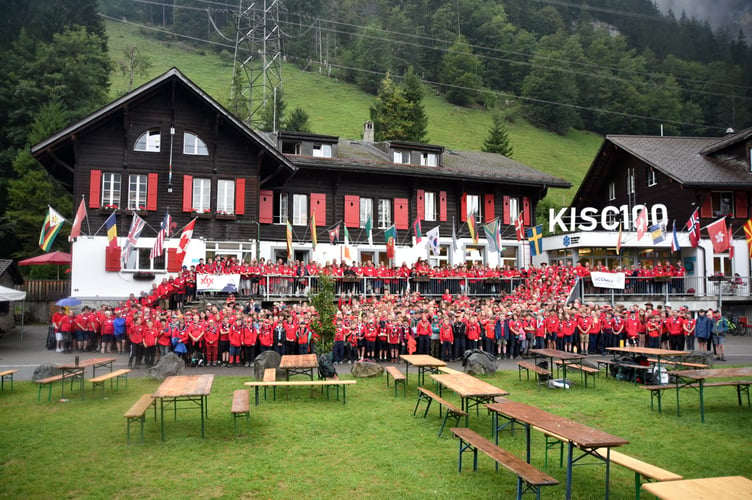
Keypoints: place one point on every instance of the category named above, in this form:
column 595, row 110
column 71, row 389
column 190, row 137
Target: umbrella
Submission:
column 68, row 302
column 58, row 258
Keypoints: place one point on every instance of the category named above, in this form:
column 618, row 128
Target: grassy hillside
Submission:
column 340, row 109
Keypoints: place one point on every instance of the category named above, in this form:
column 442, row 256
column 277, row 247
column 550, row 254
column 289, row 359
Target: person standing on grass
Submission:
column 150, row 334
column 675, row 327
column 249, row 336
column 136, row 337
column 447, row 339
column 720, row 328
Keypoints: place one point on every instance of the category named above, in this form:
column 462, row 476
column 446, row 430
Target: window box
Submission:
column 142, row 212
column 225, row 216
column 202, row 215
column 108, row 210
column 143, row 276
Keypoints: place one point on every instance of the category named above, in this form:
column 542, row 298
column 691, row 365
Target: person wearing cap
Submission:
column 704, row 328
column 721, row 326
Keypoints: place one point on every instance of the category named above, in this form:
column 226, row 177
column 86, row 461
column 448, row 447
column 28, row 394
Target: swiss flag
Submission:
column 641, row 223
column 719, row 236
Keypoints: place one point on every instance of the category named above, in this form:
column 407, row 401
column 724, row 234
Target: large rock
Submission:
column 267, row 359
column 366, row 369
column 477, row 362
column 169, row 365
column 44, row 371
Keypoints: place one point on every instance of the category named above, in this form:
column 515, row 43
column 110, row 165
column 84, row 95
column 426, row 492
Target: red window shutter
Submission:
column 442, row 206
column 174, row 261
column 401, row 213
column 741, row 202
column 95, row 189
column 463, row 208
column 507, row 213
column 266, row 206
column 112, row 259
column 187, row 193
column 151, row 192
column 526, row 218
column 707, row 207
column 489, row 211
column 352, row 210
column 240, row 197
column 318, row 204
column 420, row 204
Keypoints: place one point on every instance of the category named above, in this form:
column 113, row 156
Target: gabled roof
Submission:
column 6, row 265
column 172, row 75
column 730, row 140
column 360, row 156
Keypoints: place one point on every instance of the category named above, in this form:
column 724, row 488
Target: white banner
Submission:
column 228, row 283
column 608, row 280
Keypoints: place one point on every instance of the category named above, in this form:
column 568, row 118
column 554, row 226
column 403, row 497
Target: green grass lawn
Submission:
column 372, row 447
column 340, row 109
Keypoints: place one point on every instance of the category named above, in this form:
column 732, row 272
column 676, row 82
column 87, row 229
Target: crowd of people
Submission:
column 537, row 313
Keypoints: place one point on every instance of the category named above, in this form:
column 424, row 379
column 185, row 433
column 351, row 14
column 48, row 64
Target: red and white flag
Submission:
column 641, row 223
column 185, row 236
column 730, row 242
column 519, row 228
column 75, row 231
column 693, row 226
column 719, row 235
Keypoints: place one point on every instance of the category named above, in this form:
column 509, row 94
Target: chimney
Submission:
column 368, row 131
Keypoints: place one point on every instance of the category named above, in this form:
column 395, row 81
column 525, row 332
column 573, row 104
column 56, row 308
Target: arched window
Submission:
column 148, row 141
column 194, row 145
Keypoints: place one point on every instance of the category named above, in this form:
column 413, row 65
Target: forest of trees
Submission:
column 610, row 66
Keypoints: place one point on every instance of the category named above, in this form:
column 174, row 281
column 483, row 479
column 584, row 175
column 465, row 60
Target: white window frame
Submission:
column 138, row 185
column 366, row 209
column 283, row 213
column 195, row 145
column 149, row 141
column 429, row 206
column 322, row 150
column 651, row 177
column 385, row 213
column 401, row 156
column 630, row 183
column 201, row 194
column 472, row 203
column 225, row 196
column 299, row 210
column 514, row 209
column 611, row 191
column 429, row 159
column 111, row 188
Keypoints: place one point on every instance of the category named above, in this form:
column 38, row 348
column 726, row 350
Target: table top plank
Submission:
column 422, row 360
column 85, row 363
column 579, row 434
column 299, row 361
column 185, row 386
column 557, row 354
column 648, row 351
column 745, row 371
column 467, row 386
column 709, row 488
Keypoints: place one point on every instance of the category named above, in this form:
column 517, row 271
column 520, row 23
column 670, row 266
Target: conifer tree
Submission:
column 497, row 140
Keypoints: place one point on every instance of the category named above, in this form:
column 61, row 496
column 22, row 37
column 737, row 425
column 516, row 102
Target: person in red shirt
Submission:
column 211, row 342
column 568, row 326
column 108, row 332
column 473, row 332
column 552, row 331
column 653, row 328
column 136, row 337
column 66, row 325
column 304, row 335
column 689, row 329
column 631, row 328
column 675, row 327
column 235, row 337
column 447, row 339
column 423, row 333
column 249, row 337
column 150, row 334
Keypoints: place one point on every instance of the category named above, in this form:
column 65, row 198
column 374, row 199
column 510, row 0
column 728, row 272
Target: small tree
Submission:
column 134, row 64
column 298, row 121
column 323, row 302
column 497, row 140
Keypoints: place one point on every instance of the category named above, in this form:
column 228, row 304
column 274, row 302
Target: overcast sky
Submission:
column 720, row 13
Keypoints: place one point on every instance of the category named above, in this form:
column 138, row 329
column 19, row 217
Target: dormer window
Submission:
column 401, row 157
column 429, row 159
column 194, row 145
column 149, row 141
column 290, row 148
column 322, row 150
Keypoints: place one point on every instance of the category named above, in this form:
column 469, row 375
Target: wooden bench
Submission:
column 270, row 375
column 241, row 407
column 553, row 440
column 116, row 375
column 532, row 367
column 742, row 386
column 446, row 369
column 49, row 381
column 451, row 410
column 330, row 382
column 644, row 472
column 399, row 378
column 607, row 363
column 7, row 374
column 680, row 364
column 532, row 478
column 656, row 392
column 138, row 412
column 585, row 371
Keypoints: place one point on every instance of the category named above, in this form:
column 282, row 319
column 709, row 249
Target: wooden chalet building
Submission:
column 168, row 146
column 671, row 176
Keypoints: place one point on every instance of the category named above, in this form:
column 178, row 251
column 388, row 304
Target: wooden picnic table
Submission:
column 423, row 362
column 471, row 390
column 94, row 363
column 299, row 364
column 695, row 379
column 648, row 351
column 566, row 358
column 728, row 488
column 194, row 389
column 586, row 439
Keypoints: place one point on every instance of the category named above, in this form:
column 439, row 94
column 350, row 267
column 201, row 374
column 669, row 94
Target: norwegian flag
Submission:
column 137, row 225
column 693, row 225
column 164, row 231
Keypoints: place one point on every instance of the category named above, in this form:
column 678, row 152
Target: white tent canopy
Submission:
column 11, row 295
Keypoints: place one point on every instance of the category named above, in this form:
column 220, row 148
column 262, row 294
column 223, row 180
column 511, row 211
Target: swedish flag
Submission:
column 535, row 238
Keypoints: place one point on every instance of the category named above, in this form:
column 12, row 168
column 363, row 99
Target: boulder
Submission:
column 267, row 359
column 169, row 365
column 477, row 362
column 366, row 369
column 44, row 371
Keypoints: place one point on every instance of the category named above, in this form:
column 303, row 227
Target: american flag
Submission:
column 164, row 231
column 137, row 225
column 693, row 225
